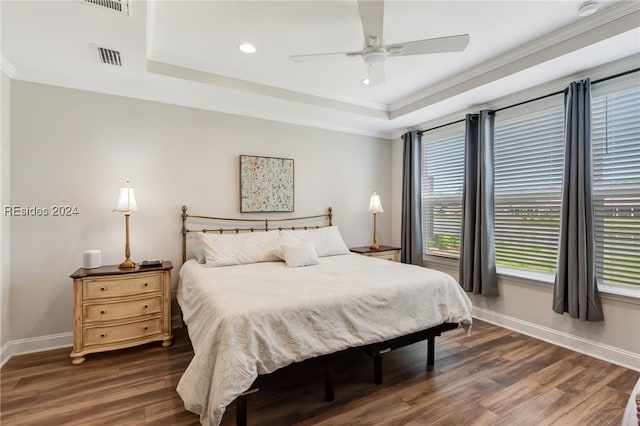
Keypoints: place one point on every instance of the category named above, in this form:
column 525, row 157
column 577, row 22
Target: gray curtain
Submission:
column 576, row 290
column 411, row 233
column 477, row 267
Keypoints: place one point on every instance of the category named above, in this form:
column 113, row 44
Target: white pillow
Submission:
column 239, row 249
column 301, row 254
column 291, row 238
column 327, row 241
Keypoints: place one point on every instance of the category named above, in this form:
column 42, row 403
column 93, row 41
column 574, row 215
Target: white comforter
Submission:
column 253, row 319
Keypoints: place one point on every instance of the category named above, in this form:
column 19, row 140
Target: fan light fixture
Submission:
column 375, row 52
column 588, row 8
column 247, row 48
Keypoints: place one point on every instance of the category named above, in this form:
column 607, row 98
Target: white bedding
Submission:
column 253, row 319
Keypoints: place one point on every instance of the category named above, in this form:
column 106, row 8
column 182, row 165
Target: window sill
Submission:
column 609, row 292
column 444, row 262
column 528, row 277
column 622, row 294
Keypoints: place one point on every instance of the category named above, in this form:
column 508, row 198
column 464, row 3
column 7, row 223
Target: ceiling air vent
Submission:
column 110, row 56
column 120, row 6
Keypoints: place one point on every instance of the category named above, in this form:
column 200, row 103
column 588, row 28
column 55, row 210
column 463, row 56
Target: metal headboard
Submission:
column 259, row 224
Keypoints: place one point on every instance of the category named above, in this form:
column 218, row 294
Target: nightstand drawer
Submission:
column 104, row 288
column 118, row 310
column 386, row 255
column 119, row 333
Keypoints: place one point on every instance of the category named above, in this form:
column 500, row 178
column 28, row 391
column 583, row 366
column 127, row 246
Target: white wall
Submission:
column 525, row 306
column 5, row 113
column 77, row 148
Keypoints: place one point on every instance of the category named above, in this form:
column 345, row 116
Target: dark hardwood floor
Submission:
column 493, row 377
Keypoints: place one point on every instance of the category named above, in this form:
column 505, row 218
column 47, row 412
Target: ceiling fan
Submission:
column 375, row 52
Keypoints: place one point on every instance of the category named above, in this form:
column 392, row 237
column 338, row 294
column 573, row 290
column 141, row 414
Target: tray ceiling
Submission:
column 187, row 53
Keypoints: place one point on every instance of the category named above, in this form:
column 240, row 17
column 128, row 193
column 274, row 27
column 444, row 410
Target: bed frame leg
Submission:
column 241, row 411
column 431, row 352
column 241, row 407
column 329, row 394
column 377, row 368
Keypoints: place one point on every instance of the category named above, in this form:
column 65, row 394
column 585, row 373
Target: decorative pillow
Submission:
column 328, row 241
column 301, row 254
column 198, row 254
column 239, row 249
column 290, row 238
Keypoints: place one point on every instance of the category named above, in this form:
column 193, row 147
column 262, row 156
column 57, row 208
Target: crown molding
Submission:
column 611, row 21
column 596, row 73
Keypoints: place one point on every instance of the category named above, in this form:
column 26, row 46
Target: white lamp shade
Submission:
column 126, row 201
column 375, row 206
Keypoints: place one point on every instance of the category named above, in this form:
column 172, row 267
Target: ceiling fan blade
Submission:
column 376, row 74
column 372, row 17
column 455, row 43
column 319, row 56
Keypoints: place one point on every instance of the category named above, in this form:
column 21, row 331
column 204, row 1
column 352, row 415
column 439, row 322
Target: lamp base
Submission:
column 375, row 246
column 128, row 263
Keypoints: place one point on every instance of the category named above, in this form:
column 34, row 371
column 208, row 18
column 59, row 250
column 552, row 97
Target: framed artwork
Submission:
column 266, row 184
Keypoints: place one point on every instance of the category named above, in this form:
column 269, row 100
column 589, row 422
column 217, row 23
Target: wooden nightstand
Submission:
column 384, row 252
column 118, row 308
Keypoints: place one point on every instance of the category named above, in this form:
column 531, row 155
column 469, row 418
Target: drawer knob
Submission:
column 145, row 306
column 146, row 328
column 102, row 312
column 146, row 284
column 103, row 335
column 102, row 289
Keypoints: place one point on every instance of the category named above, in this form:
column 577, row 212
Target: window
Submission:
column 528, row 162
column 529, row 155
column 616, row 179
column 442, row 176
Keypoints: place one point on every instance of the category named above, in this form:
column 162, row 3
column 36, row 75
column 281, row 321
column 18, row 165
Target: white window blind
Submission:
column 528, row 158
column 442, row 176
column 616, row 179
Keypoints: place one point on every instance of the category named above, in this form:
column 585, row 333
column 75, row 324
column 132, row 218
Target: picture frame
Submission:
column 266, row 184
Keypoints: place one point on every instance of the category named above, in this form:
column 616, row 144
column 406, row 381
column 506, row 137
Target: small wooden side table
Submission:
column 118, row 308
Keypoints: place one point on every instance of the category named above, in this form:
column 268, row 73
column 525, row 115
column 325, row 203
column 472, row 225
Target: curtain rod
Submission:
column 537, row 99
column 442, row 125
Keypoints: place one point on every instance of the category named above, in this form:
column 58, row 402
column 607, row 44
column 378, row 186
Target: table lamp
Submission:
column 126, row 205
column 375, row 207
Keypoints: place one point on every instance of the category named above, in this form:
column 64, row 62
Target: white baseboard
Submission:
column 4, row 354
column 607, row 353
column 34, row 344
column 45, row 343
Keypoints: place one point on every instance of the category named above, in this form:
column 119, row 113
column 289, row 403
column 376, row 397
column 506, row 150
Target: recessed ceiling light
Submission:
column 588, row 8
column 247, row 48
column 365, row 81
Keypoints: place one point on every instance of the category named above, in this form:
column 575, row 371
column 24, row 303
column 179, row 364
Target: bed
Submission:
column 249, row 318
